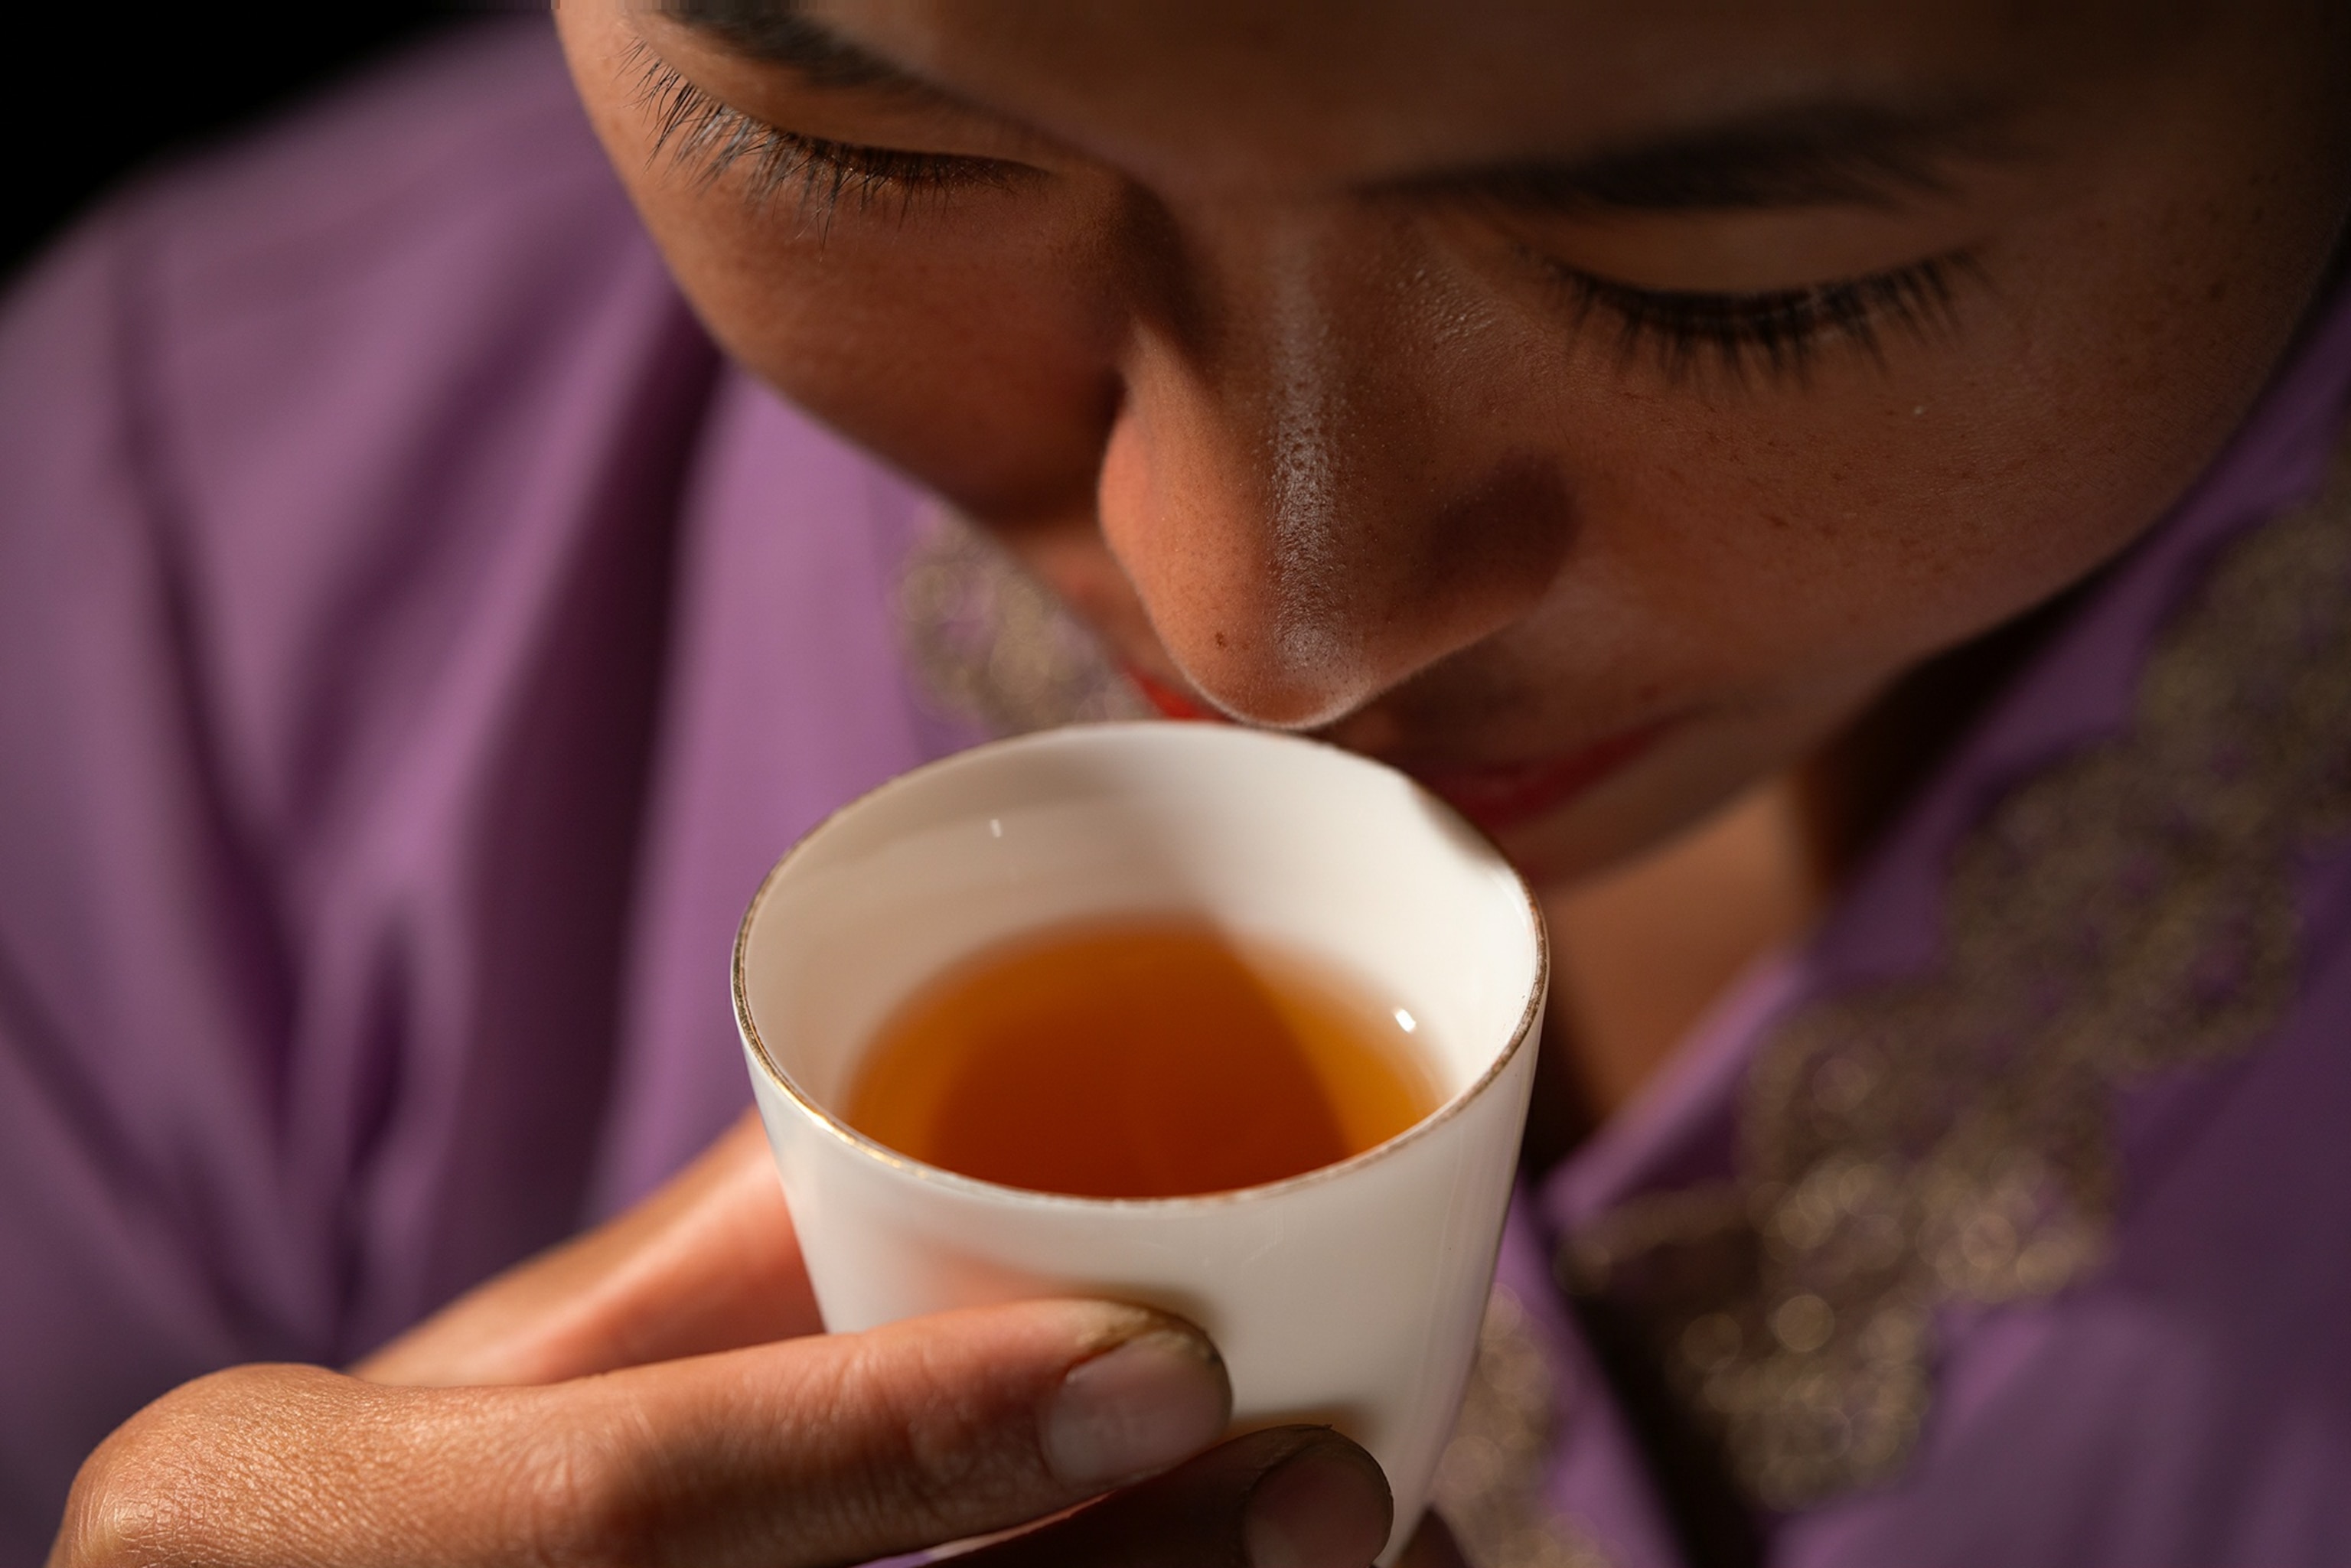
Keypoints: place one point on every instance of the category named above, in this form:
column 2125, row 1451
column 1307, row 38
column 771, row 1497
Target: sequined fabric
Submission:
column 1489, row 1483
column 1946, row 1140
column 992, row 646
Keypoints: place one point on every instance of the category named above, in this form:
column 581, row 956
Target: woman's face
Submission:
column 1584, row 406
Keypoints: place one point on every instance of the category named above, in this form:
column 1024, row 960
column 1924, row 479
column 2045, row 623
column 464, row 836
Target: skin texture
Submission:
column 1322, row 435
column 1336, row 455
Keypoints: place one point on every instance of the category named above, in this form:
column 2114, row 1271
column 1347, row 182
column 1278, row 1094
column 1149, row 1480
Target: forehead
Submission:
column 1248, row 88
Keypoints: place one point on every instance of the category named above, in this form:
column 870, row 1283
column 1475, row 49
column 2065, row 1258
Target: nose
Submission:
column 1299, row 480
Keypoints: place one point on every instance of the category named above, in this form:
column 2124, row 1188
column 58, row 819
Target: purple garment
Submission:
column 414, row 647
column 414, row 644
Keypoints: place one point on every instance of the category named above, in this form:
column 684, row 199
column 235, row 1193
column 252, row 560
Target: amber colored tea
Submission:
column 1138, row 1059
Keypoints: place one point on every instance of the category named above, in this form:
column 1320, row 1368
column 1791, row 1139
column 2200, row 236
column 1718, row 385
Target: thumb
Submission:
column 808, row 1451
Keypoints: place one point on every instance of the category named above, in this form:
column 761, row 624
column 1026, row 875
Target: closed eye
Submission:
column 700, row 133
column 1781, row 331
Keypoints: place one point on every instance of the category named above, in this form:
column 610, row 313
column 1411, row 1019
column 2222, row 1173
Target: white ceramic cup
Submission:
column 1351, row 1294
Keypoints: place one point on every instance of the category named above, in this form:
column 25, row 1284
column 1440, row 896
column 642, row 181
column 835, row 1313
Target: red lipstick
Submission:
column 1171, row 702
column 1496, row 796
column 1500, row 796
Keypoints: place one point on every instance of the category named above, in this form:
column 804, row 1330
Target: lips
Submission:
column 1171, row 702
column 1501, row 796
column 1496, row 796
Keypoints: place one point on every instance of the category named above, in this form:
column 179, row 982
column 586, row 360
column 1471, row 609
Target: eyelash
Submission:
column 696, row 128
column 1780, row 330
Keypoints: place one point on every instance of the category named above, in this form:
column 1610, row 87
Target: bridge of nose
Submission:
column 1309, row 507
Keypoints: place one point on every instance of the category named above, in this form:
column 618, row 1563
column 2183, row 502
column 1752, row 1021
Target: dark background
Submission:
column 100, row 90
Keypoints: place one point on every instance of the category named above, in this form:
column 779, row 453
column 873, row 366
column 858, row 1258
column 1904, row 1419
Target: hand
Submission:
column 654, row 1392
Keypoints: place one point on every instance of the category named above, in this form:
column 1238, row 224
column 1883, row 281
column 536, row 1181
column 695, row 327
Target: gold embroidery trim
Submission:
column 1946, row 1140
column 1490, row 1482
column 992, row 645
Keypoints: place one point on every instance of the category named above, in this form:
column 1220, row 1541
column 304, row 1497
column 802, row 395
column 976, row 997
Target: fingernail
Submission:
column 1137, row 1407
column 1328, row 1508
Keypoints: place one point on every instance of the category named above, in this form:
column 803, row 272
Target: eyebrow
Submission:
column 775, row 32
column 1834, row 153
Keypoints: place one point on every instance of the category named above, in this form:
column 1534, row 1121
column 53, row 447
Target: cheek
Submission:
column 965, row 345
column 979, row 377
column 1880, row 515
column 1735, row 558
